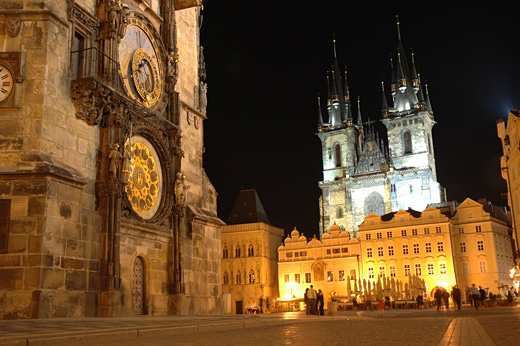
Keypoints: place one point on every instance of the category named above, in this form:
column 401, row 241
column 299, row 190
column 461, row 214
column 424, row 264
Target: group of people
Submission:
column 314, row 302
column 476, row 296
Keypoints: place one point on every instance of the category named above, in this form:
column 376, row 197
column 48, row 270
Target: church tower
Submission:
column 363, row 173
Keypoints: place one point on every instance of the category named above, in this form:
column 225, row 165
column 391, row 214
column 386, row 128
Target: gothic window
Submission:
column 337, row 153
column 83, row 43
column 374, row 204
column 226, row 279
column 239, row 278
column 339, row 213
column 250, row 250
column 430, row 144
column 407, row 142
column 252, row 276
column 237, row 251
column 225, row 253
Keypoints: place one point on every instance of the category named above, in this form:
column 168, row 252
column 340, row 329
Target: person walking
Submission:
column 321, row 303
column 381, row 303
column 475, row 295
column 483, row 296
column 306, row 301
column 446, row 299
column 455, row 295
column 311, row 295
column 438, row 299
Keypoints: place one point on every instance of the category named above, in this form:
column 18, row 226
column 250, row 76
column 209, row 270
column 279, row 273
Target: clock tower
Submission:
column 105, row 206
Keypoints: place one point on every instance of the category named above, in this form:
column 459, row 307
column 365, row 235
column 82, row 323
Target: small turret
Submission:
column 320, row 117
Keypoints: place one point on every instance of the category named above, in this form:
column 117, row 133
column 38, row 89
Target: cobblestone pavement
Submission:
column 487, row 327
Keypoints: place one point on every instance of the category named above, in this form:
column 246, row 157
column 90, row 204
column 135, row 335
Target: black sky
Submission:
column 266, row 62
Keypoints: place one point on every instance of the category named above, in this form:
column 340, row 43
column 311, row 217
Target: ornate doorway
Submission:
column 138, row 286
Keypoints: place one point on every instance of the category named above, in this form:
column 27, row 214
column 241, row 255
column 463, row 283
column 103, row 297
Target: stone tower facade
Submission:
column 105, row 206
column 362, row 172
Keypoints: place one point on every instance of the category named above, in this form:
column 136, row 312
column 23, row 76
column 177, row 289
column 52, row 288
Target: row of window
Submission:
column 405, row 249
column 480, row 246
column 330, row 276
column 343, row 250
column 250, row 251
column 404, row 233
column 392, row 270
column 251, row 279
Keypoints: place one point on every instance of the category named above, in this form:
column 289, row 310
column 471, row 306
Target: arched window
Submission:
column 225, row 253
column 339, row 213
column 252, row 277
column 237, row 251
column 239, row 278
column 407, row 139
column 250, row 250
column 337, row 155
column 226, row 279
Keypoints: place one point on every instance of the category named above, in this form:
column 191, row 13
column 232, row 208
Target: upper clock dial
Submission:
column 140, row 64
column 6, row 83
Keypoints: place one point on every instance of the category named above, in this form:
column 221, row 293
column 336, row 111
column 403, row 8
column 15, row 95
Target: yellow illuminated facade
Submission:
column 408, row 243
column 325, row 264
column 482, row 246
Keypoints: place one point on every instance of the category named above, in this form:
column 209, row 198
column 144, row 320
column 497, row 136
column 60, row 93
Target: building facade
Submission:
column 364, row 174
column 105, row 207
column 509, row 135
column 406, row 243
column 471, row 245
column 326, row 264
column 249, row 256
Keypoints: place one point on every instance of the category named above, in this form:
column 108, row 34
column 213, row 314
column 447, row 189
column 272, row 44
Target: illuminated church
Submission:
column 362, row 172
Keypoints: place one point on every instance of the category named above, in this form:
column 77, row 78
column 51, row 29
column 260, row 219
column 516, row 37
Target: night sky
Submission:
column 266, row 62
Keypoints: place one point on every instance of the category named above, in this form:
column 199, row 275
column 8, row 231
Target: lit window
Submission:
column 379, row 235
column 390, row 250
column 369, row 252
column 406, row 270
column 285, row 278
column 462, row 247
column 297, row 278
column 426, row 230
column 483, row 266
column 405, row 249
column 392, row 271
column 431, row 270
column 442, row 268
column 330, row 276
column 480, row 245
column 380, row 251
column 403, row 233
column 389, row 234
column 428, row 247
column 414, row 231
column 415, row 248
column 371, row 274
column 440, row 246
column 382, row 271
column 418, row 270
column 341, row 275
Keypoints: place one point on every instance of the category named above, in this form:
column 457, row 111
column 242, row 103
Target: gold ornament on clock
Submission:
column 144, row 189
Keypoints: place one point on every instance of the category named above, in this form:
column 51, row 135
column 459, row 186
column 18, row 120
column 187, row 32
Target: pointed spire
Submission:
column 384, row 104
column 420, row 95
column 336, row 79
column 320, row 117
column 428, row 103
column 415, row 79
column 359, row 119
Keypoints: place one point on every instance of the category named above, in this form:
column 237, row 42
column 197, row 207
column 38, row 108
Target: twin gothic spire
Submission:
column 407, row 93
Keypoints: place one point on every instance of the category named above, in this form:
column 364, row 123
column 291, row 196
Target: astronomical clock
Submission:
column 141, row 65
